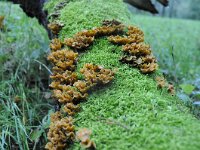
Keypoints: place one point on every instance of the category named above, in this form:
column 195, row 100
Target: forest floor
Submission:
column 24, row 92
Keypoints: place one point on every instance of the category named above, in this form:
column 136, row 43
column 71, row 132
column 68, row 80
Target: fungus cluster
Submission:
column 79, row 42
column 83, row 135
column 85, row 38
column 96, row 74
column 63, row 60
column 69, row 90
column 137, row 53
column 61, row 132
column 56, row 44
column 162, row 83
column 55, row 27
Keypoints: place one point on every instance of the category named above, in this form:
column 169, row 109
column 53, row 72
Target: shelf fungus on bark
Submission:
column 71, row 109
column 68, row 94
column 135, row 49
column 96, row 74
column 55, row 27
column 61, row 132
column 105, row 30
column 110, row 30
column 137, row 53
column 148, row 68
column 135, row 30
column 122, row 40
column 82, row 86
column 64, row 59
column 87, row 33
column 56, row 44
column 69, row 90
column 67, row 77
column 79, row 42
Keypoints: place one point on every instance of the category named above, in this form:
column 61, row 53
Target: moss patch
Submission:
column 78, row 15
column 130, row 113
column 51, row 5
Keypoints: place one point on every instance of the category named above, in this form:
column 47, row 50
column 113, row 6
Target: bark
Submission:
column 34, row 8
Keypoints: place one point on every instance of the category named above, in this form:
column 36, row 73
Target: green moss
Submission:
column 49, row 6
column 82, row 14
column 130, row 113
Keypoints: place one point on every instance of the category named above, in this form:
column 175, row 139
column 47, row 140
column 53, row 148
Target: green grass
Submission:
column 177, row 37
column 130, row 113
column 23, row 43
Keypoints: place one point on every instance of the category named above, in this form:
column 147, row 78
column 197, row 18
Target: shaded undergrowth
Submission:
column 23, row 80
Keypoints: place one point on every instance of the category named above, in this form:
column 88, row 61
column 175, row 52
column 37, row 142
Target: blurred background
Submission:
column 183, row 9
column 173, row 34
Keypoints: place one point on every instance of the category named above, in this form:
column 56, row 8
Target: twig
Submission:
column 112, row 121
column 44, row 66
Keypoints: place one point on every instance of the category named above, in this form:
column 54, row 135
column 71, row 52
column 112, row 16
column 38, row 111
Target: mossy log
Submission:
column 130, row 113
column 35, row 8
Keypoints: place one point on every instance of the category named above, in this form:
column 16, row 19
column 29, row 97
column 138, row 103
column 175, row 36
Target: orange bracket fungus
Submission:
column 68, row 90
column 162, row 83
column 83, row 135
column 61, row 132
column 79, row 42
column 56, row 44
column 55, row 27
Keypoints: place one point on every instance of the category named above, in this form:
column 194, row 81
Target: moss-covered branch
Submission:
column 131, row 113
